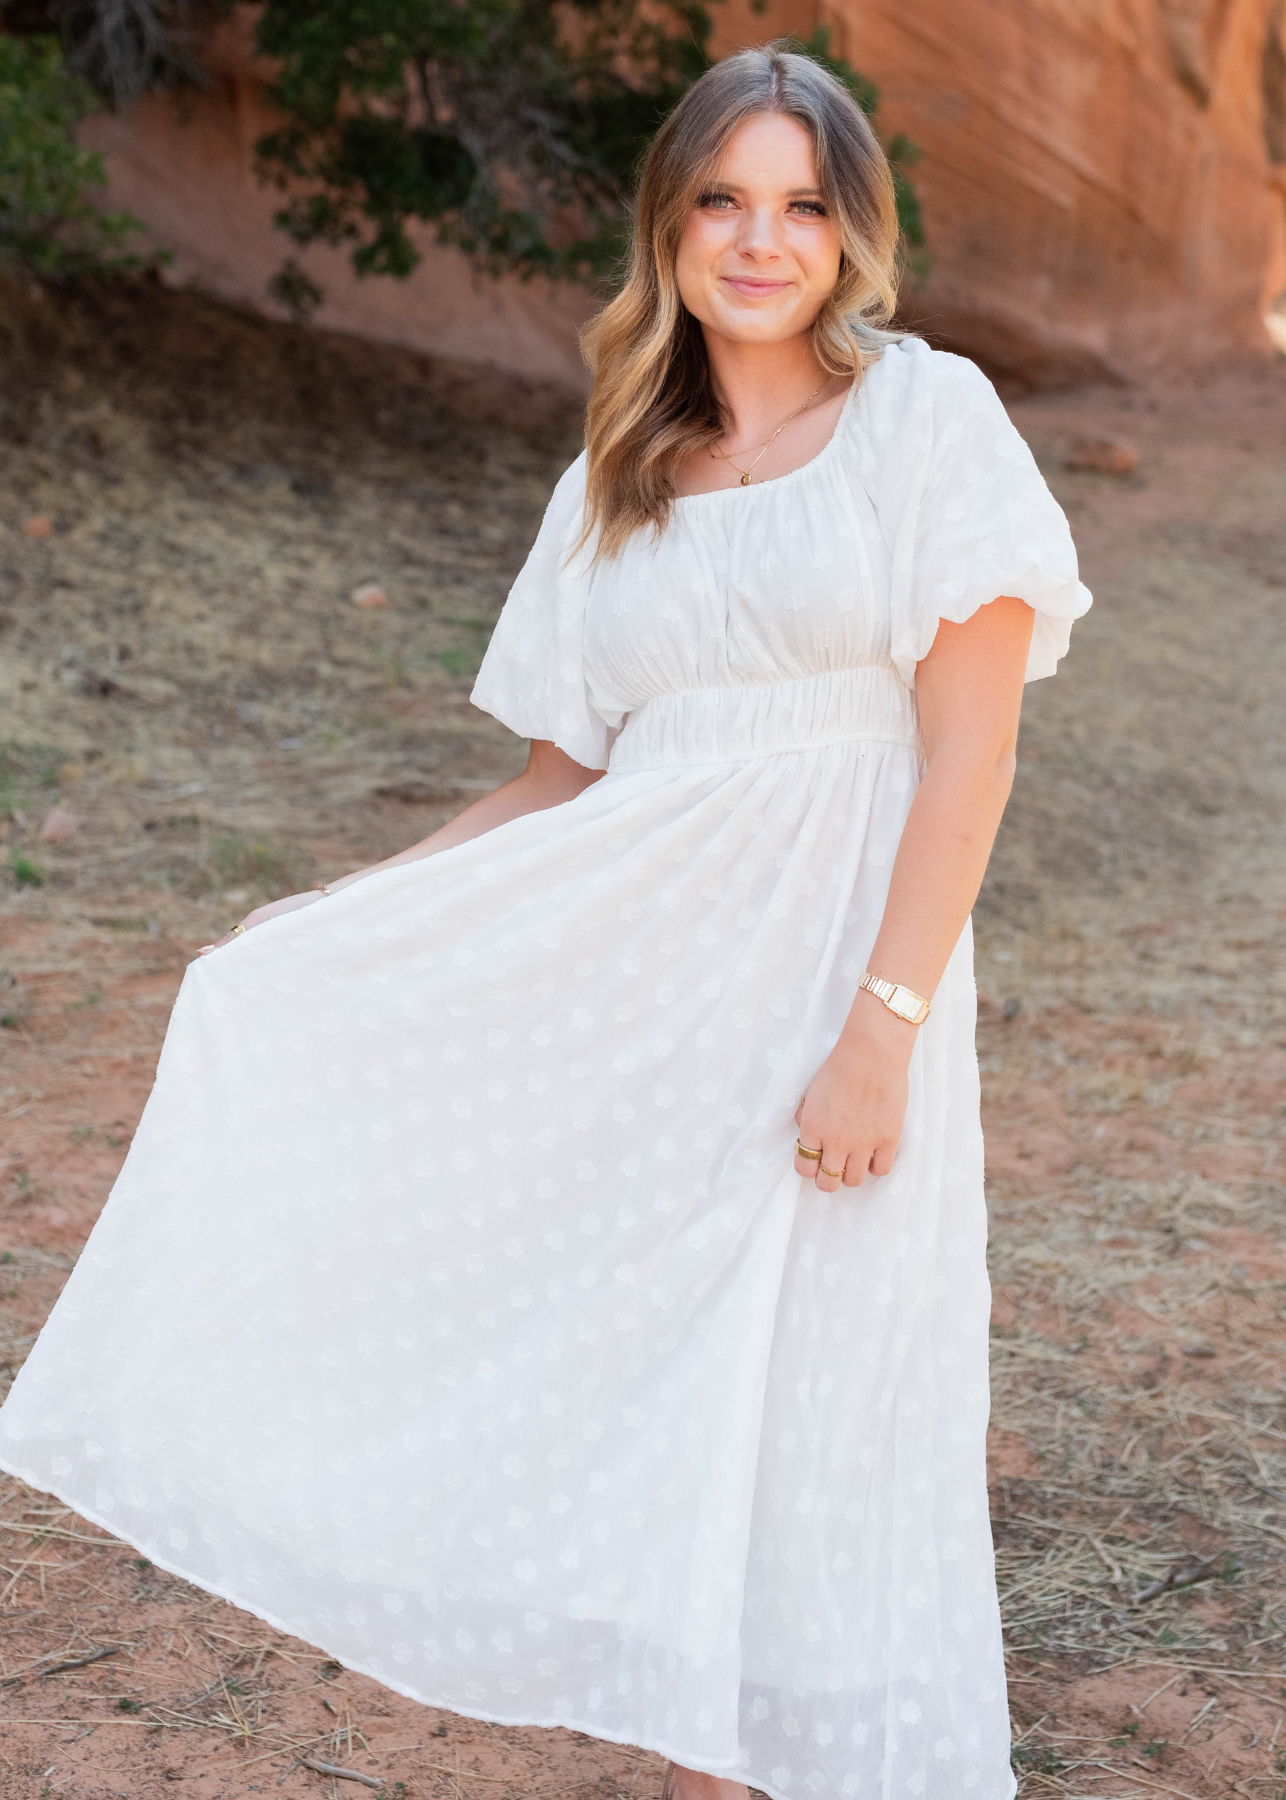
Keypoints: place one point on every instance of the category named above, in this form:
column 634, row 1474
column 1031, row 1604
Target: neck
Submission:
column 759, row 384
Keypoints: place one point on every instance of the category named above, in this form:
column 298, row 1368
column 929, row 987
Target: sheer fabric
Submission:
column 457, row 1307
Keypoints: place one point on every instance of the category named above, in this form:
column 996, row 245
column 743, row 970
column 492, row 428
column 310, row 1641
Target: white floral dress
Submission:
column 458, row 1308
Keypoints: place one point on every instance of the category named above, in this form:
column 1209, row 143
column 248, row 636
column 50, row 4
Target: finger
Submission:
column 805, row 1165
column 828, row 1176
column 217, row 944
column 855, row 1170
column 882, row 1161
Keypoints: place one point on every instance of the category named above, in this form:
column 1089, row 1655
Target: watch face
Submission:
column 905, row 1005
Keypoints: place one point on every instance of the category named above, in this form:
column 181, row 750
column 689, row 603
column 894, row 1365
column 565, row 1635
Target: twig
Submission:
column 340, row 1773
column 152, row 1724
column 1179, row 1577
column 49, row 1533
column 1177, row 1676
column 79, row 1662
column 1161, row 1786
column 1199, row 1715
column 281, row 1750
column 1108, row 1561
column 18, row 1571
column 1191, row 1668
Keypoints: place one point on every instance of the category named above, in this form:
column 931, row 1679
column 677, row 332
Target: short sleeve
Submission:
column 533, row 676
column 963, row 507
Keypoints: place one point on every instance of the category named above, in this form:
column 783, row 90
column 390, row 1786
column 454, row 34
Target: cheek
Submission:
column 693, row 264
column 819, row 256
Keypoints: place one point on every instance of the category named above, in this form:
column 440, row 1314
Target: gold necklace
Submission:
column 765, row 448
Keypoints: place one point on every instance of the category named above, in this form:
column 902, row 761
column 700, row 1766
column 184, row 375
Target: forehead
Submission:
column 771, row 150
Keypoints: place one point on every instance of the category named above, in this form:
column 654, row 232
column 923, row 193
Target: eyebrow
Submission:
column 736, row 187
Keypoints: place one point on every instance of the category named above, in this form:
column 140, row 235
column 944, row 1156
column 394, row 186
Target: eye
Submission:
column 716, row 200
column 814, row 209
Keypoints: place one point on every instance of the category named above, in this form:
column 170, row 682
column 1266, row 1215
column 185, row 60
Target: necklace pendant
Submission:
column 745, row 479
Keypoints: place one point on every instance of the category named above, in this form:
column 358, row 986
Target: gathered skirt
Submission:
column 458, row 1308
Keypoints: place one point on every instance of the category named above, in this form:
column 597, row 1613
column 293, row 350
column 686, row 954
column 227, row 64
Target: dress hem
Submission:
column 725, row 1770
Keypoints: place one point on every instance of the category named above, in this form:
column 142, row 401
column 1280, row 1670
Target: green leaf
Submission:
column 48, row 224
column 514, row 127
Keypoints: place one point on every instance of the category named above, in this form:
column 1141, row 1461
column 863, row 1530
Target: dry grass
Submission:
column 218, row 487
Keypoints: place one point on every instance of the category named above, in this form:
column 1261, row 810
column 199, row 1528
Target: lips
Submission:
column 754, row 290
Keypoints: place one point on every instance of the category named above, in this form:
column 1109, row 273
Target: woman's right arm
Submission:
column 550, row 778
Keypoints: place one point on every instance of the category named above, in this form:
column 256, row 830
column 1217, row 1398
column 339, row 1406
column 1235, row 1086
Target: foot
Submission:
column 690, row 1784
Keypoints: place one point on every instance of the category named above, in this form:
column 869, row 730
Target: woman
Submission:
column 481, row 1300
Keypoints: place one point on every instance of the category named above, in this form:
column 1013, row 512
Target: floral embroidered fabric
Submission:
column 458, row 1309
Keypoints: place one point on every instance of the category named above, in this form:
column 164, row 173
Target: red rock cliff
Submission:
column 1104, row 181
column 1104, row 187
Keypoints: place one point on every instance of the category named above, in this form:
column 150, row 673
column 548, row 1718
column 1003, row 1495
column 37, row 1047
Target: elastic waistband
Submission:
column 768, row 718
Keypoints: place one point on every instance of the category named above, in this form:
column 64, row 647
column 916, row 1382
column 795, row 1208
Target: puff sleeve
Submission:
column 963, row 507
column 533, row 676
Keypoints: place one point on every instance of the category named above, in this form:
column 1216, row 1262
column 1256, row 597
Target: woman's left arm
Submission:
column 969, row 689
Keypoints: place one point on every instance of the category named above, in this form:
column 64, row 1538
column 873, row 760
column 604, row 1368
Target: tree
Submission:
column 47, row 222
column 515, row 127
column 122, row 48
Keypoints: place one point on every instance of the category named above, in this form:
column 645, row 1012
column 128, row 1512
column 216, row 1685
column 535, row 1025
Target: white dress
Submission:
column 458, row 1308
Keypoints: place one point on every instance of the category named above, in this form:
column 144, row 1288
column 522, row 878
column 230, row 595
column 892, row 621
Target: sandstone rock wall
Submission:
column 184, row 164
column 1104, row 181
column 1104, row 187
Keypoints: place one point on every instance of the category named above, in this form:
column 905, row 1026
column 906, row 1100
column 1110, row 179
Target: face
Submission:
column 760, row 253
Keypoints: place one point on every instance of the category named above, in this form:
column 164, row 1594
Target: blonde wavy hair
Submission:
column 653, row 403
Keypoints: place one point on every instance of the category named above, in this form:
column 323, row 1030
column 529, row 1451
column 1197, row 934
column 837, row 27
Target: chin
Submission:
column 758, row 328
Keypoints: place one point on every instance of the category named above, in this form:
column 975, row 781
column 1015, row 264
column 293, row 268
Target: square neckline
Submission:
column 776, row 481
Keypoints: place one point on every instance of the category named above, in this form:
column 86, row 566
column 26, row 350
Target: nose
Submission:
column 758, row 238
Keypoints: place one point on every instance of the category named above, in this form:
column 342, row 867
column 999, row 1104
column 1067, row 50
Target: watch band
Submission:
column 901, row 1000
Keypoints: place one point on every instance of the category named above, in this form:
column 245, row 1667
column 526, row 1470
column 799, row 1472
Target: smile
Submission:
column 752, row 288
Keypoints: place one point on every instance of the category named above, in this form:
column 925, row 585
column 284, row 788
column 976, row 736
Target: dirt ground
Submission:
column 191, row 697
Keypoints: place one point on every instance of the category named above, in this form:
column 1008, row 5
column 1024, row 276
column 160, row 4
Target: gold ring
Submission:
column 808, row 1155
column 835, row 1174
column 238, row 931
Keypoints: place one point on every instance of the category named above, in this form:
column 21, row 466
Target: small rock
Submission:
column 93, row 682
column 1102, row 455
column 370, row 594
column 38, row 526
column 59, row 823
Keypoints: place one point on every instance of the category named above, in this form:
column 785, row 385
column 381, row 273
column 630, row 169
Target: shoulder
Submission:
column 567, row 501
column 560, row 528
column 571, row 483
column 929, row 420
column 912, row 383
column 570, row 494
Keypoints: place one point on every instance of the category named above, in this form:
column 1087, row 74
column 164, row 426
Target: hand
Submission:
column 288, row 903
column 855, row 1106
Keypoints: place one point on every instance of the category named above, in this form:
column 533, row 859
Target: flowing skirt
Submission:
column 459, row 1311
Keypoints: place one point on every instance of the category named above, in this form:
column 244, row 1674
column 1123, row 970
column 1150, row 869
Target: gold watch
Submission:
column 900, row 1000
